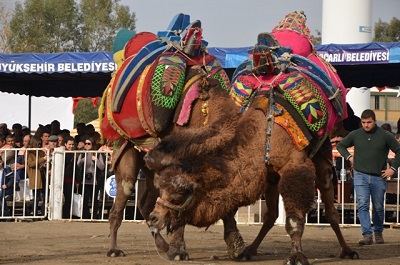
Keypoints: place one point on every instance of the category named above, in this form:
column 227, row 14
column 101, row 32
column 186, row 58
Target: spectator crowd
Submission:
column 25, row 166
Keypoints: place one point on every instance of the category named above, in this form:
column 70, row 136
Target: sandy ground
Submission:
column 59, row 242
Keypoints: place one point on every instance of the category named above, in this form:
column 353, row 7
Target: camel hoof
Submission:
column 349, row 255
column 115, row 253
column 235, row 247
column 245, row 255
column 296, row 259
column 252, row 251
column 178, row 256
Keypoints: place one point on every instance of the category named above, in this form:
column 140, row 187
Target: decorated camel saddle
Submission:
column 305, row 95
column 141, row 99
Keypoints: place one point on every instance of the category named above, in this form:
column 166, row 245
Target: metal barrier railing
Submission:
column 59, row 204
column 32, row 204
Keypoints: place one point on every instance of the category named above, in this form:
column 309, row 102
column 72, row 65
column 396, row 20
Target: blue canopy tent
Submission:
column 78, row 74
column 358, row 65
column 87, row 74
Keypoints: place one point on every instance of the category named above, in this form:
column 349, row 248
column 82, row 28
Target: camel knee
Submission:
column 294, row 225
column 128, row 187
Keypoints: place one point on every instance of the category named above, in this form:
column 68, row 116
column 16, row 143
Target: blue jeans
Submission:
column 366, row 187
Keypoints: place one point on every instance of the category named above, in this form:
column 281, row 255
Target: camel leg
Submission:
column 323, row 167
column 233, row 238
column 125, row 176
column 271, row 214
column 176, row 249
column 297, row 190
column 146, row 205
column 177, row 245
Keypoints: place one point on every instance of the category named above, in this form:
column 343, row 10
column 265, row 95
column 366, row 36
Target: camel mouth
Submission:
column 159, row 222
column 153, row 229
column 156, row 227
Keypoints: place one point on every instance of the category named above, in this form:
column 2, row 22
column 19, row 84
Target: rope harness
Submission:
column 179, row 208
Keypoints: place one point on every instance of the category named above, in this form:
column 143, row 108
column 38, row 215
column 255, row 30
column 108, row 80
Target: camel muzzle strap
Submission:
column 179, row 208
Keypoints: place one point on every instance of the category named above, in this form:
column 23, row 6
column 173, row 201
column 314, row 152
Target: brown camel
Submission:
column 158, row 78
column 130, row 160
column 205, row 174
column 278, row 146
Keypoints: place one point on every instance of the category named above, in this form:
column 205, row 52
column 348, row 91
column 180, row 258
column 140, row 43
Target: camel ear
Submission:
column 156, row 159
column 153, row 159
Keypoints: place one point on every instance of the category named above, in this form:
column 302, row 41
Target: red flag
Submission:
column 381, row 88
column 95, row 102
column 75, row 103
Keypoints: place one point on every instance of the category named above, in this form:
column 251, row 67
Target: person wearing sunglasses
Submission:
column 91, row 163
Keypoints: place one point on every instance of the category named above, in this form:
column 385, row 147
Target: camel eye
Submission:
column 176, row 199
column 180, row 196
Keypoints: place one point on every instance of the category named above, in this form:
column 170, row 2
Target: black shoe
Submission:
column 379, row 238
column 367, row 240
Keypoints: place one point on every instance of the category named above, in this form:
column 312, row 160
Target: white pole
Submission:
column 57, row 178
column 349, row 22
column 346, row 22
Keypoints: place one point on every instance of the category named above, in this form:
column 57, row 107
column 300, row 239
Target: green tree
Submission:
column 63, row 25
column 5, row 32
column 387, row 32
column 100, row 22
column 85, row 111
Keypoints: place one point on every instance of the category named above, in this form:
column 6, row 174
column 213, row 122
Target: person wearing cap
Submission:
column 53, row 139
column 52, row 143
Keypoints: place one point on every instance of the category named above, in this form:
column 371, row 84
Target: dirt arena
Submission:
column 54, row 242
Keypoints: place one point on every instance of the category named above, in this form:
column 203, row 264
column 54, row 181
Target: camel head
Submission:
column 173, row 207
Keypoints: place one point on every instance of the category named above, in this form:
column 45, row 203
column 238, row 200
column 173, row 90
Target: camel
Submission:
column 205, row 174
column 157, row 84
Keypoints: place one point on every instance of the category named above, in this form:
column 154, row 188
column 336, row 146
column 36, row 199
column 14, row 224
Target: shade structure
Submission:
column 87, row 74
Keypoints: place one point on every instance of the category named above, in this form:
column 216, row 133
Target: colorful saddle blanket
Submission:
column 285, row 63
column 143, row 94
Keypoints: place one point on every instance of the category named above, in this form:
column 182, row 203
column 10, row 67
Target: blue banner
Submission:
column 82, row 62
column 351, row 54
column 102, row 62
